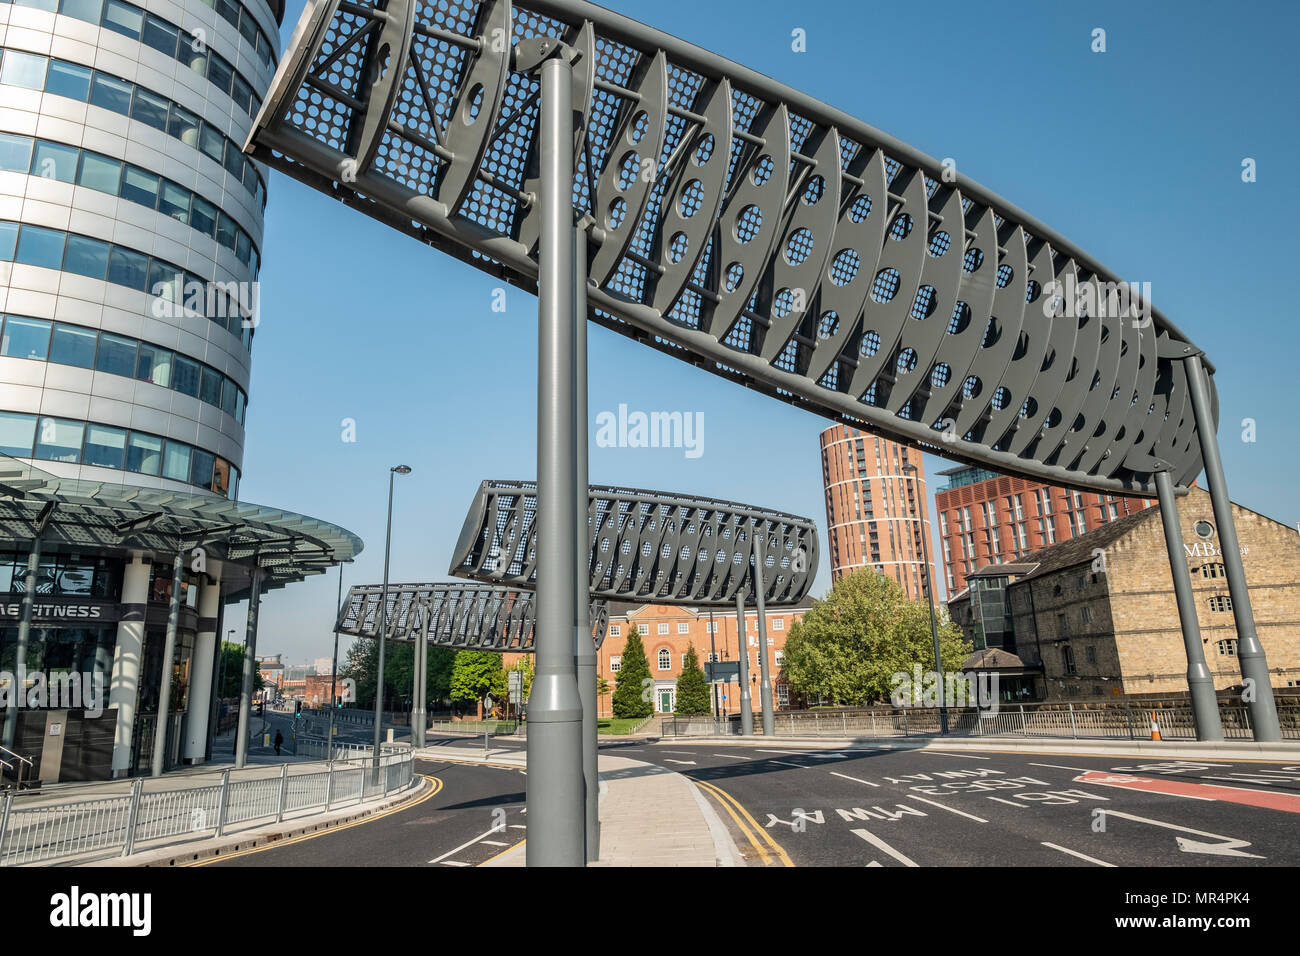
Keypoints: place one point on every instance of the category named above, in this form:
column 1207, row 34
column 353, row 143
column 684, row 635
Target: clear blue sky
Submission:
column 1135, row 154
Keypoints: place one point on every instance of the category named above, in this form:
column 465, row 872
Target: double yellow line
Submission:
column 276, row 844
column 733, row 807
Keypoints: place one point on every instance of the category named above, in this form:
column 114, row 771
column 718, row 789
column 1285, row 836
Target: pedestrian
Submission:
column 279, row 739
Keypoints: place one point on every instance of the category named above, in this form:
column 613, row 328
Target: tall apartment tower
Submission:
column 875, row 512
column 986, row 518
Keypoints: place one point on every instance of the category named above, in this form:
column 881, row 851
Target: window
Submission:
column 100, row 172
column 1091, row 654
column 1228, row 648
column 15, row 153
column 683, row 627
column 615, row 630
column 23, row 69
column 55, row 161
column 185, row 377
column 183, row 125
column 615, row 662
column 26, row 338
column 1213, row 571
column 780, row 656
column 160, row 35
column 1220, row 602
column 105, row 446
column 73, row 346
column 228, row 392
column 140, row 187
column 212, row 143
column 123, row 18
column 144, row 454
column 150, row 109
column 40, row 247
column 683, row 661
column 176, row 462
column 643, row 629
column 665, row 659
column 111, row 94
column 201, row 467
column 128, row 268
column 16, row 433
column 210, row 387
column 59, row 440
column 68, row 79
column 88, row 10
column 175, row 202
column 710, row 627
column 1067, row 659
column 1085, row 614
column 204, row 216
column 778, row 624
column 663, row 628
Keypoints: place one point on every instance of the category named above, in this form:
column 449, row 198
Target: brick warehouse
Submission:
column 1096, row 617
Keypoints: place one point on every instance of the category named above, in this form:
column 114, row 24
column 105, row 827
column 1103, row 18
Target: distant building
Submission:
column 323, row 666
column 875, row 512
column 1095, row 616
column 986, row 518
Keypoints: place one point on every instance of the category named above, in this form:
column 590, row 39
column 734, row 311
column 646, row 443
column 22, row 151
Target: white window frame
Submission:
column 615, row 662
column 659, row 659
column 683, row 627
column 778, row 624
column 643, row 630
column 663, row 627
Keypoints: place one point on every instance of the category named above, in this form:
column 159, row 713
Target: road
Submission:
column 787, row 805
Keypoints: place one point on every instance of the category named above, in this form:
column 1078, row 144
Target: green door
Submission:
column 665, row 701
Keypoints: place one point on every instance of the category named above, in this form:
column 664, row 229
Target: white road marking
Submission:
column 681, row 753
column 875, row 863
column 494, row 843
column 1081, row 856
column 828, row 756
column 854, row 779
column 689, row 763
column 481, row 836
column 787, row 753
column 960, row 813
column 1057, row 766
column 518, row 826
column 1008, row 802
column 454, row 863
column 1229, row 846
column 944, row 753
column 880, row 844
column 730, row 757
column 784, row 763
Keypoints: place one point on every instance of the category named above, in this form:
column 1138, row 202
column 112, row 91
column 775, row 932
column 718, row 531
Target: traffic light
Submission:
column 297, row 708
column 339, row 703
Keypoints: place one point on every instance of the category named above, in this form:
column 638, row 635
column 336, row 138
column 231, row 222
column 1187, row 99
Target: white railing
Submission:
column 122, row 824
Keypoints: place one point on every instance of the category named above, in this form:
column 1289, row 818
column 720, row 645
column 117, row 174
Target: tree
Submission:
column 853, row 642
column 232, row 671
column 475, row 675
column 362, row 666
column 692, row 688
column 633, row 671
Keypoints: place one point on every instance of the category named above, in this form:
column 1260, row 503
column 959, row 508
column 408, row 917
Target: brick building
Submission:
column 1095, row 616
column 875, row 512
column 986, row 518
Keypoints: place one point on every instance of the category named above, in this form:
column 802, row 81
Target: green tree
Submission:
column 475, row 675
column 692, row 688
column 362, row 666
column 633, row 671
column 850, row 645
column 231, row 665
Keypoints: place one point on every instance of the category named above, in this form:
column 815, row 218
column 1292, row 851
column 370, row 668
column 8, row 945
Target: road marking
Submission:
column 1057, row 766
column 828, row 756
column 690, row 763
column 722, row 795
column 944, row 753
column 1229, row 846
column 439, row 859
column 1267, row 799
column 730, row 757
column 854, row 779
column 787, row 753
column 437, row 787
column 518, row 826
column 454, row 863
column 681, row 753
column 1009, row 803
column 786, row 763
column 960, row 813
column 1081, row 856
column 880, row 844
column 503, row 852
column 494, row 843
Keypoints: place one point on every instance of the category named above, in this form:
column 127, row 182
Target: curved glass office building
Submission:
column 130, row 245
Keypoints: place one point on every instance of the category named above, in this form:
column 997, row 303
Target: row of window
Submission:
column 106, row 446
column 69, row 164
column 109, row 262
column 81, row 83
column 75, row 574
column 45, row 341
column 664, row 660
column 167, row 38
column 616, row 630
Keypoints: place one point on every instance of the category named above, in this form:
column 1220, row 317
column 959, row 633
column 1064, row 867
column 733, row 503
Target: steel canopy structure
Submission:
column 646, row 546
column 465, row 617
column 741, row 226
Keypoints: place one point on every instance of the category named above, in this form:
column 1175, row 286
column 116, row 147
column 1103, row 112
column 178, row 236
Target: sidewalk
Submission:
column 649, row 816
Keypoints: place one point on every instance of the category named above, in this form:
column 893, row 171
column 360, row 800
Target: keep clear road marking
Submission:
column 960, row 813
column 880, row 844
column 854, row 779
column 1267, row 799
column 1081, row 856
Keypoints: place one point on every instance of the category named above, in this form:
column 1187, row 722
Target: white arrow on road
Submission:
column 1226, row 847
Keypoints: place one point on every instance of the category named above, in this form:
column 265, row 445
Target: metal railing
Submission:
column 121, row 823
column 1135, row 721
column 477, row 727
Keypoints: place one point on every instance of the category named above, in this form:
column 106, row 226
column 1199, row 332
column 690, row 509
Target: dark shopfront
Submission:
column 65, row 724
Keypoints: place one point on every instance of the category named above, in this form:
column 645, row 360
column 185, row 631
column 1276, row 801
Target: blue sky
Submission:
column 1135, row 154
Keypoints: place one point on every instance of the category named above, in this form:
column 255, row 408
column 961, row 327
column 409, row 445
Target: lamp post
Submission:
column 383, row 613
column 910, row 470
column 334, row 670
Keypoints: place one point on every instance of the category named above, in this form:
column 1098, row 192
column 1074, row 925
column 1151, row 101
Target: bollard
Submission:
column 221, row 802
column 284, row 786
column 1074, row 731
column 132, row 815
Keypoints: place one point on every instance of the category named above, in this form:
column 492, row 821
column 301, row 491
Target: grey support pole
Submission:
column 585, row 648
column 765, row 682
column 1254, row 667
column 250, row 655
column 746, row 705
column 20, row 651
column 165, row 680
column 1205, row 706
column 383, row 630
column 334, row 671
column 556, row 797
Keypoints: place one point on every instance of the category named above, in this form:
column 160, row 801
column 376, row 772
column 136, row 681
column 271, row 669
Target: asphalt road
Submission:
column 790, row 806
column 473, row 814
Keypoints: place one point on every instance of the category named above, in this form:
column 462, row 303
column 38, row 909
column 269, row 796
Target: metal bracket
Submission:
column 529, row 54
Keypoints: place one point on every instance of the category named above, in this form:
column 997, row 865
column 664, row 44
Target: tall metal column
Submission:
column 1254, row 667
column 746, row 704
column 1205, row 706
column 765, row 680
column 556, row 798
column 334, row 671
column 250, row 657
column 20, row 651
column 165, row 678
column 584, row 648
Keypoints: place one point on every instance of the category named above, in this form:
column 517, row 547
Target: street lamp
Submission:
column 910, row 470
column 383, row 613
